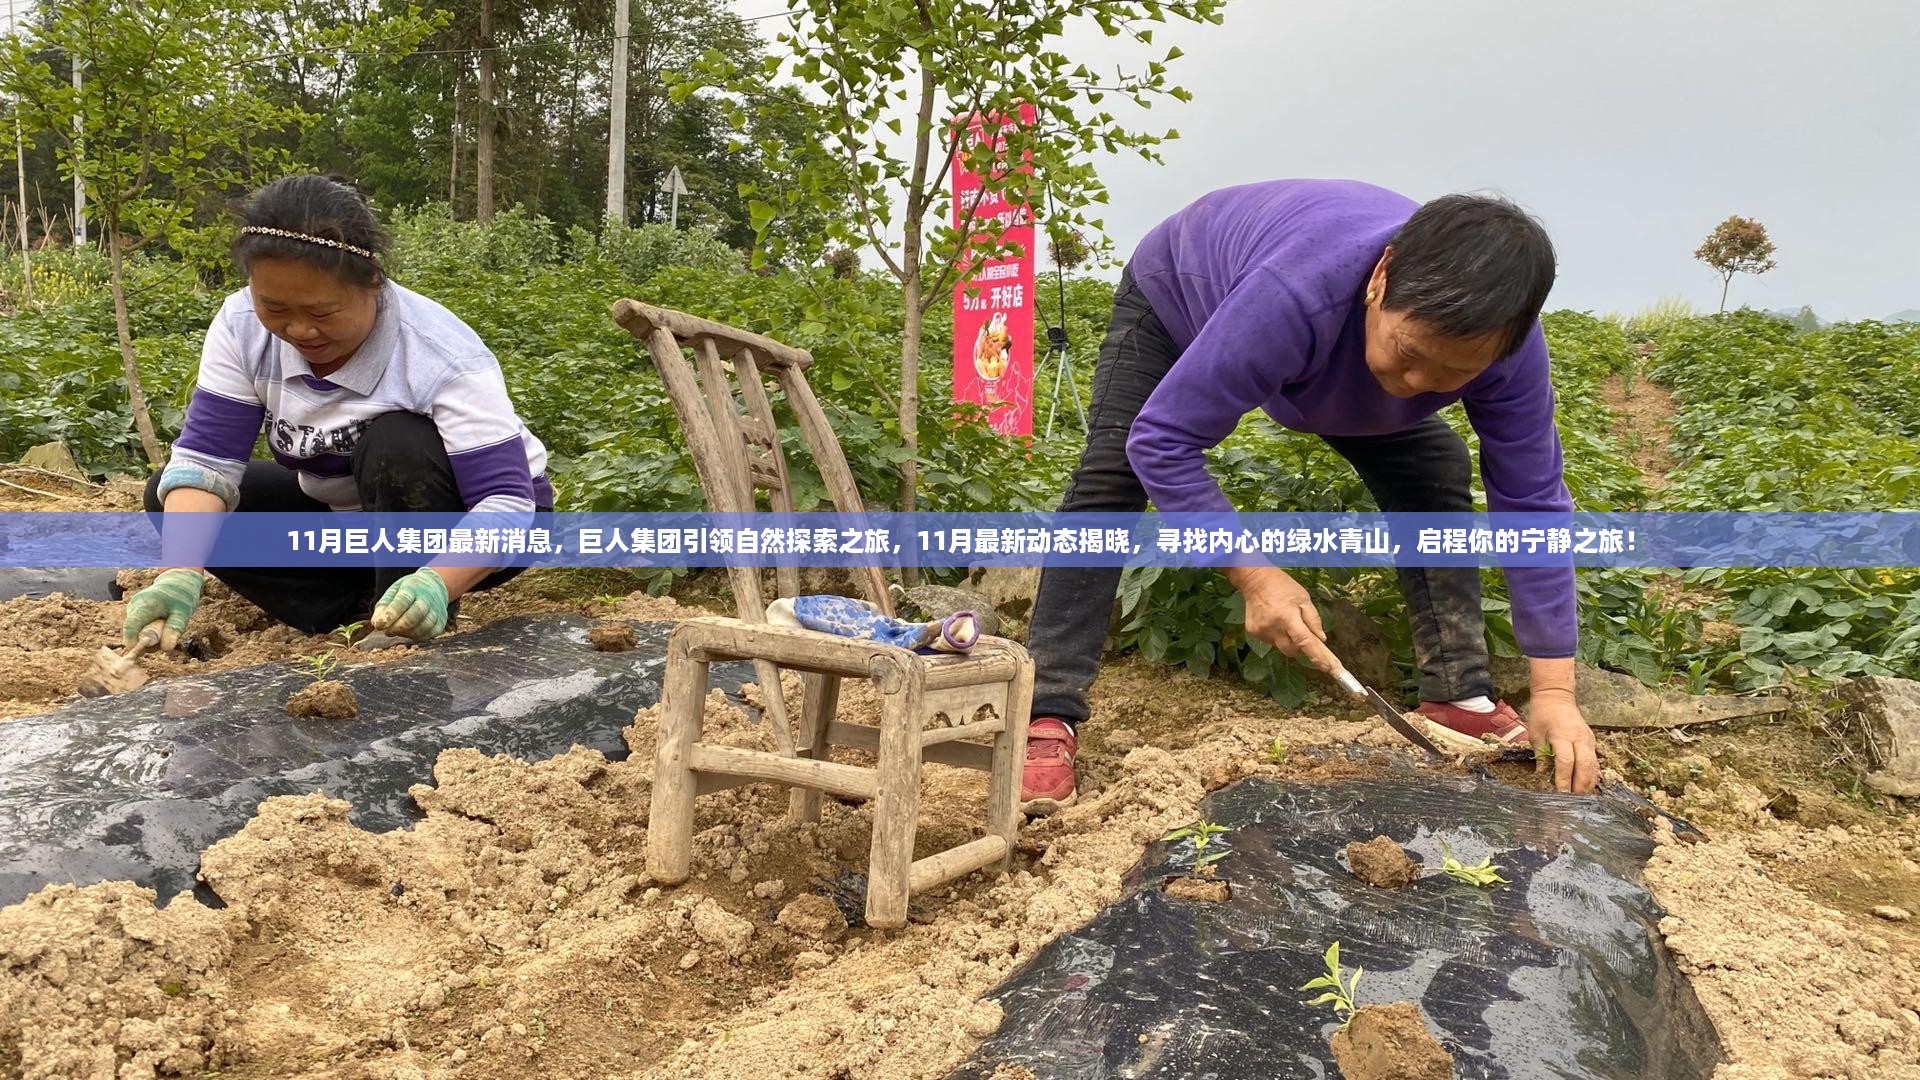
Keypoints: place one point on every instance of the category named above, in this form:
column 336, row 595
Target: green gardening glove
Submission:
column 414, row 607
column 173, row 596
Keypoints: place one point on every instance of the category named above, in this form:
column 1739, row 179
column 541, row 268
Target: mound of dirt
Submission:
column 1191, row 888
column 612, row 637
column 325, row 700
column 97, row 983
column 1382, row 863
column 1390, row 1042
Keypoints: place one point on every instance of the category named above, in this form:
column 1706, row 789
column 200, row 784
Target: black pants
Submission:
column 400, row 466
column 1425, row 468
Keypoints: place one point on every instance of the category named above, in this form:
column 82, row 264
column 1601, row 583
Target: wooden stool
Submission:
column 932, row 706
column 948, row 690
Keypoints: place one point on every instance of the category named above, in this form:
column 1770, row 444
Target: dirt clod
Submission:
column 1188, row 888
column 1892, row 914
column 612, row 637
column 328, row 700
column 1382, row 863
column 1390, row 1042
column 813, row 916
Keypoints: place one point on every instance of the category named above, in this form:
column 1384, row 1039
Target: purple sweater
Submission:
column 1261, row 288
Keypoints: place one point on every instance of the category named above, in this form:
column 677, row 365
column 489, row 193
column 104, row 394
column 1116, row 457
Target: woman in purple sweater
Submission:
column 1350, row 312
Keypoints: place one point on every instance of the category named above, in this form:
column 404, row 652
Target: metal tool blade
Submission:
column 1399, row 723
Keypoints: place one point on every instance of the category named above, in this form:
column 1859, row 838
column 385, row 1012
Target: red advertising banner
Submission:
column 993, row 309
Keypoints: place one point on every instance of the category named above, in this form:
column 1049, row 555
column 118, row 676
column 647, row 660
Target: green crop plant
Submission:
column 318, row 665
column 1206, row 850
column 1483, row 875
column 1340, row 988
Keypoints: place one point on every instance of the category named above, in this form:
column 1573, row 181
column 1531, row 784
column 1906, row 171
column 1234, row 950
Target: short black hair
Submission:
column 329, row 207
column 1471, row 265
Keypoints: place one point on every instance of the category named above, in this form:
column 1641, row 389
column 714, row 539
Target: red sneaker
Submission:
column 1502, row 725
column 1047, row 784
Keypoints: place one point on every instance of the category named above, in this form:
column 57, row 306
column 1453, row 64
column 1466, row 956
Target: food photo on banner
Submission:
column 993, row 301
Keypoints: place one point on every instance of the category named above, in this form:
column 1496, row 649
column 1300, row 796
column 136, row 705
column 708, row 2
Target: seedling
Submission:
column 1485, row 875
column 1277, row 753
column 345, row 633
column 1339, row 988
column 1202, row 832
column 319, row 665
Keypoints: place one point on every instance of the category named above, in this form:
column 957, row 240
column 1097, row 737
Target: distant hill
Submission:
column 1909, row 315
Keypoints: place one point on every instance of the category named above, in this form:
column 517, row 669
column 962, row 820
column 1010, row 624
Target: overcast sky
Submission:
column 1630, row 127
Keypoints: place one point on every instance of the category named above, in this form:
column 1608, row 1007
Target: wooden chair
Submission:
column 932, row 706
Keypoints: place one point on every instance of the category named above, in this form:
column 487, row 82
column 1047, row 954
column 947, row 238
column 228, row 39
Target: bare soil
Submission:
column 612, row 637
column 1194, row 888
column 1390, row 1042
column 325, row 700
column 1382, row 863
column 1646, row 411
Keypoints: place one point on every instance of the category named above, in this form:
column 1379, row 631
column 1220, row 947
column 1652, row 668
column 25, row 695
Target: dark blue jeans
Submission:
column 1424, row 468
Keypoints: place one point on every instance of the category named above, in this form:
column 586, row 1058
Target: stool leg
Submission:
column 1009, row 762
column 820, row 703
column 670, row 822
column 896, row 812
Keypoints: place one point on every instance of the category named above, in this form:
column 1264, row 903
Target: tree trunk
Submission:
column 483, row 170
column 1726, row 282
column 137, row 398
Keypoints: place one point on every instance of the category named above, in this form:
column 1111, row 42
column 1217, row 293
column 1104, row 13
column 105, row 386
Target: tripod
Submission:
column 1062, row 376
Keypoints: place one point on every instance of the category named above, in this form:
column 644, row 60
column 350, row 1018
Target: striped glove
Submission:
column 173, row 596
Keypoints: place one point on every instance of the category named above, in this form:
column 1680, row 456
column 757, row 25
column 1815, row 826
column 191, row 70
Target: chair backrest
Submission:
column 727, row 418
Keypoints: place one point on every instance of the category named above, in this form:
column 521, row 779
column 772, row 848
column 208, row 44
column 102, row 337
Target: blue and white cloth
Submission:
column 847, row 617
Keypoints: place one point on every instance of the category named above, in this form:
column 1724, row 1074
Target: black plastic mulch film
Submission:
column 1559, row 974
column 136, row 785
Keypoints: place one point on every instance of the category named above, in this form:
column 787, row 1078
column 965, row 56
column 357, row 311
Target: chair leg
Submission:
column 670, row 822
column 896, row 812
column 1009, row 761
column 820, row 703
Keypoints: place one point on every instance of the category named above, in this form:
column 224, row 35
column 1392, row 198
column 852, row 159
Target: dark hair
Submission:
column 1471, row 265
column 327, row 207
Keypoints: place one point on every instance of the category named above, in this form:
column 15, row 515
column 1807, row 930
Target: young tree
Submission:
column 1736, row 246
column 890, row 87
column 168, row 114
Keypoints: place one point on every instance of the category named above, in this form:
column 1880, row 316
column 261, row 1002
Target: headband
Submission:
column 262, row 230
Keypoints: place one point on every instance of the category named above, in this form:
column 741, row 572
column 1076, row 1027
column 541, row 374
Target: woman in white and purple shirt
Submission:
column 370, row 397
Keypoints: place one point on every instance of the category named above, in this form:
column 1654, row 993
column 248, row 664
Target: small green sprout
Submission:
column 319, row 665
column 1484, row 876
column 1277, row 753
column 345, row 633
column 1339, row 990
column 1202, row 832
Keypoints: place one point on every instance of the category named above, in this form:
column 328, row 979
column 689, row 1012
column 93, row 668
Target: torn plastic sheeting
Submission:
column 1560, row 974
column 135, row 786
column 40, row 582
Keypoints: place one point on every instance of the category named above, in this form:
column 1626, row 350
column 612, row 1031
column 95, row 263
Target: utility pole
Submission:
column 617, row 120
column 20, row 159
column 483, row 171
column 79, row 188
